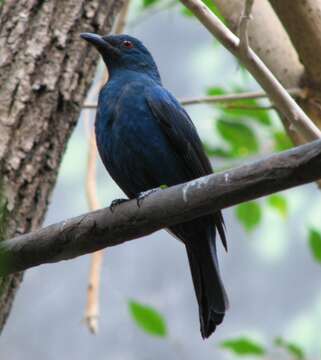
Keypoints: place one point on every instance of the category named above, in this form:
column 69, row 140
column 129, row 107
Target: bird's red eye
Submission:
column 128, row 44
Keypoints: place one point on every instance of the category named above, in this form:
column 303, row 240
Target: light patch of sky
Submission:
column 73, row 164
column 313, row 214
column 271, row 242
column 305, row 327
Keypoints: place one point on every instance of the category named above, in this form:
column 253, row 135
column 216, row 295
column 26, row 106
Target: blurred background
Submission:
column 271, row 273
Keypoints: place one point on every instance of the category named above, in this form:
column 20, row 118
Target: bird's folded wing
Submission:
column 179, row 130
column 183, row 137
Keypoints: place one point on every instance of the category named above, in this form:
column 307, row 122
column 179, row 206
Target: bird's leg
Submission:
column 144, row 194
column 115, row 203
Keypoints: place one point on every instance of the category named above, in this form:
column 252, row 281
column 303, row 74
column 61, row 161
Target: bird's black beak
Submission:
column 94, row 39
column 101, row 44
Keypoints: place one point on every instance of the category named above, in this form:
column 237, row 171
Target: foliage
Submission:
column 249, row 214
column 244, row 125
column 243, row 128
column 240, row 137
column 147, row 3
column 247, row 109
column 148, row 319
column 278, row 203
column 294, row 350
column 210, row 4
column 243, row 346
column 315, row 244
column 282, row 141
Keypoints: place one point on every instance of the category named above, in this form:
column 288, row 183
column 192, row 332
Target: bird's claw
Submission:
column 143, row 195
column 115, row 203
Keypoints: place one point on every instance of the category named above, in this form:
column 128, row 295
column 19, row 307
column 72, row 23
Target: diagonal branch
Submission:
column 102, row 228
column 278, row 95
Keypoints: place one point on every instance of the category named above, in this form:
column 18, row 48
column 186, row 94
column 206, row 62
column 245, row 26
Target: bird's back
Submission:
column 132, row 145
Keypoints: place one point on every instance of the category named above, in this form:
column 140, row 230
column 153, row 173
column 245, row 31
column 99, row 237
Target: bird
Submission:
column 145, row 140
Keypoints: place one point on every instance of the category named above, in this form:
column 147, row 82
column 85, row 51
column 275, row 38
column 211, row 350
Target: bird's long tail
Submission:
column 210, row 292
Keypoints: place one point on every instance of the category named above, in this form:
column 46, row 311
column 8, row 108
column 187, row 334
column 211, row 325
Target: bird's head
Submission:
column 123, row 52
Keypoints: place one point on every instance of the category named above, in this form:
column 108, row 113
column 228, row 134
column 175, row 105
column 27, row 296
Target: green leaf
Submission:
column 148, row 319
column 215, row 91
column 249, row 214
column 243, row 346
column 217, row 152
column 259, row 115
column 210, row 4
column 281, row 141
column 315, row 244
column 240, row 137
column 148, row 3
column 279, row 203
column 292, row 348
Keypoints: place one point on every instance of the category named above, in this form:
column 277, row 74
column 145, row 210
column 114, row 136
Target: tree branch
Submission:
column 278, row 95
column 102, row 228
column 92, row 306
column 243, row 35
column 303, row 25
column 296, row 92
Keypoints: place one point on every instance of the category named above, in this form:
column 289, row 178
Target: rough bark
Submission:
column 96, row 230
column 45, row 71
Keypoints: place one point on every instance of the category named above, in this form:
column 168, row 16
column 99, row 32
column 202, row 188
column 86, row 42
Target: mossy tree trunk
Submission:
column 45, row 72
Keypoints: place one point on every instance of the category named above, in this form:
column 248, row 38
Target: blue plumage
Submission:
column 146, row 139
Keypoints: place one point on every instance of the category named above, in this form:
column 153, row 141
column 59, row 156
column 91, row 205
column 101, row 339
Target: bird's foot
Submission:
column 115, row 203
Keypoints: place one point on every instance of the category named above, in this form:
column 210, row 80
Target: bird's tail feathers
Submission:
column 209, row 289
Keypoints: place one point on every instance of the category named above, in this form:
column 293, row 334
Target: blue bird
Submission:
column 146, row 139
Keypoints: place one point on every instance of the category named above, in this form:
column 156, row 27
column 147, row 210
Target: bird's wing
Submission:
column 179, row 130
column 183, row 137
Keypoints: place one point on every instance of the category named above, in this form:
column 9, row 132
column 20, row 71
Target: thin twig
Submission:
column 243, row 30
column 246, row 107
column 92, row 306
column 302, row 124
column 296, row 92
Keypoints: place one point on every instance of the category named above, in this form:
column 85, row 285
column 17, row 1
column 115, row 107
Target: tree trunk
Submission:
column 302, row 21
column 45, row 72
